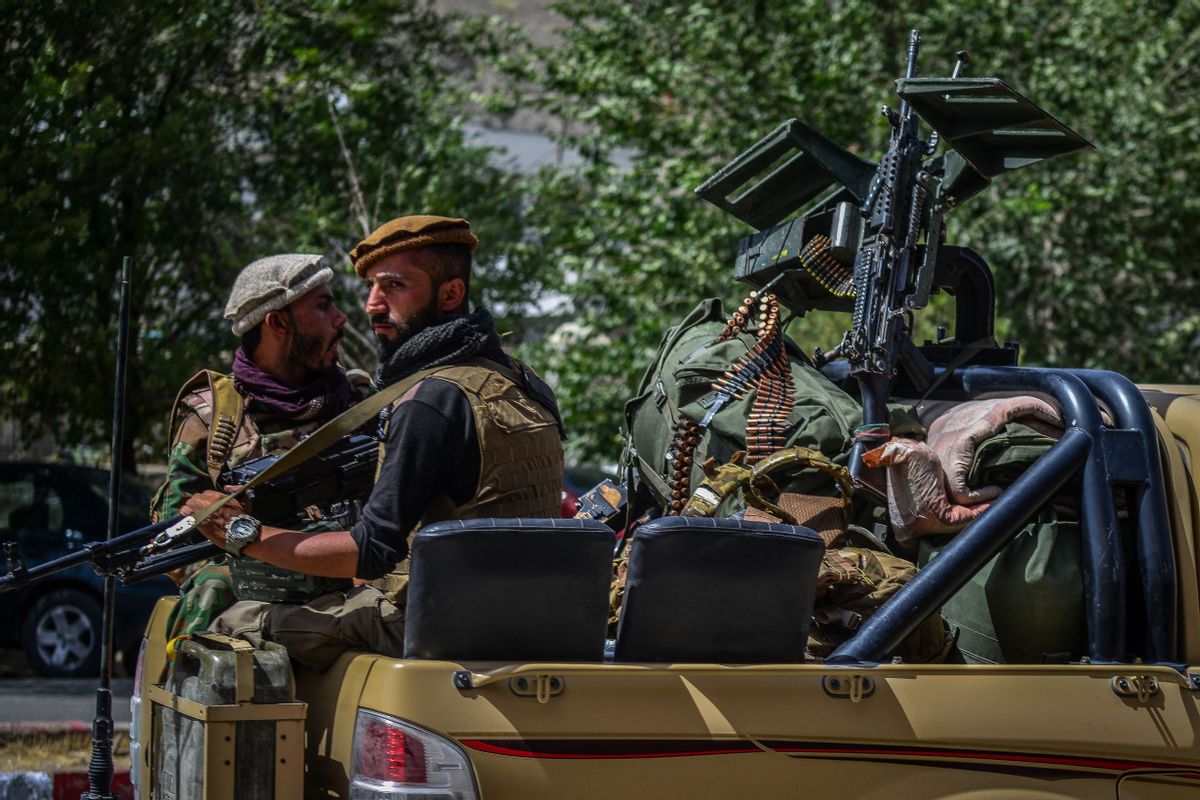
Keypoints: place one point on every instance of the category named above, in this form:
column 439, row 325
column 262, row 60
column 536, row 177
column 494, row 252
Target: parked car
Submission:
column 49, row 510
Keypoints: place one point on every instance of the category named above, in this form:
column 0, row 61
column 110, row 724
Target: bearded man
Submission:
column 472, row 433
column 285, row 383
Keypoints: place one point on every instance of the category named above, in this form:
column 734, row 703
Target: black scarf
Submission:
column 455, row 340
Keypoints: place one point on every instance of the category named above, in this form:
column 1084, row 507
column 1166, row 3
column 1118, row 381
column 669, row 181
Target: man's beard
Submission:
column 405, row 329
column 309, row 351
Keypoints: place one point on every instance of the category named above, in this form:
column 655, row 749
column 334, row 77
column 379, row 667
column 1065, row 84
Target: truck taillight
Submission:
column 396, row 760
column 390, row 753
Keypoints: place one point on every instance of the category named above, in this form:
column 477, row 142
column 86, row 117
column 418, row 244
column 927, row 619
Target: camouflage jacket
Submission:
column 207, row 588
column 261, row 432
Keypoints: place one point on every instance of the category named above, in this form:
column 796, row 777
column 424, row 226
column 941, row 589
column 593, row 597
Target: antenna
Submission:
column 100, row 768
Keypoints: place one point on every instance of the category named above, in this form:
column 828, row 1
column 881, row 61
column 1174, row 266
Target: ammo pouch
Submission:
column 258, row 580
column 852, row 583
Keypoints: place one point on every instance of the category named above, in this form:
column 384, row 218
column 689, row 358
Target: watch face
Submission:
column 241, row 529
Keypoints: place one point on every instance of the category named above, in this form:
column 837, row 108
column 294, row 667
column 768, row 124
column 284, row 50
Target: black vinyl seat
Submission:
column 509, row 589
column 718, row 591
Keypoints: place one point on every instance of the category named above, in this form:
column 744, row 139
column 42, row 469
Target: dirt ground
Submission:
column 56, row 750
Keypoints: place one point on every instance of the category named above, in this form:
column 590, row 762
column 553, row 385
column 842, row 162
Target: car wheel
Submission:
column 61, row 633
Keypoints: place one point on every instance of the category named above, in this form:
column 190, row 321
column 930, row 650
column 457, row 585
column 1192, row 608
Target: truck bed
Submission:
column 894, row 730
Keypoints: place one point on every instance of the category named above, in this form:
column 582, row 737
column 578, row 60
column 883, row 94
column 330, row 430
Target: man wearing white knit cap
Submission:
column 284, row 383
column 475, row 434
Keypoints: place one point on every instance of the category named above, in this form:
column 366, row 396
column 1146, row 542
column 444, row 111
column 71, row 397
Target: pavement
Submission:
column 59, row 699
column 46, row 734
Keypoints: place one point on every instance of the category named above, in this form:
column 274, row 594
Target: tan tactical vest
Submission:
column 233, row 435
column 520, row 454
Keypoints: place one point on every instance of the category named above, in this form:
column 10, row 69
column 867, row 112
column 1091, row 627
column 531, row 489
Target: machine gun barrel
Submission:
column 345, row 472
column 106, row 557
column 914, row 44
column 156, row 565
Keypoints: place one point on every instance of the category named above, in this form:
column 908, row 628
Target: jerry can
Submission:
column 226, row 723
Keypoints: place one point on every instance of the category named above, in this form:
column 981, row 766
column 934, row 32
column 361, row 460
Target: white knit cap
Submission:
column 272, row 283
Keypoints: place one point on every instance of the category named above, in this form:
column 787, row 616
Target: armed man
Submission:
column 285, row 383
column 472, row 433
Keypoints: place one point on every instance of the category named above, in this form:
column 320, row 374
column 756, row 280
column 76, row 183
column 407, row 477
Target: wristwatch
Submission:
column 241, row 531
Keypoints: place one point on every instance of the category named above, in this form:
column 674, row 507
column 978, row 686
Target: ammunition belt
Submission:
column 833, row 276
column 766, row 427
column 683, row 448
column 764, row 366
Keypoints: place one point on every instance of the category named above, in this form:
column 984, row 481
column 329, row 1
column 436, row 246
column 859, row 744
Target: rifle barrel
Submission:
column 165, row 562
column 103, row 554
column 914, row 44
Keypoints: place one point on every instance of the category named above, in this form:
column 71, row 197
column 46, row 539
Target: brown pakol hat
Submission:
column 409, row 233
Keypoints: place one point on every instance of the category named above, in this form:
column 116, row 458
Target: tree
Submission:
column 194, row 138
column 1091, row 252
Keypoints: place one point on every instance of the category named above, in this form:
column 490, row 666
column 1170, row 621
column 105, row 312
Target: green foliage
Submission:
column 195, row 137
column 1091, row 252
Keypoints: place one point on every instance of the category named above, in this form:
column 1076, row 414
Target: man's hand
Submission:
column 332, row 554
column 213, row 528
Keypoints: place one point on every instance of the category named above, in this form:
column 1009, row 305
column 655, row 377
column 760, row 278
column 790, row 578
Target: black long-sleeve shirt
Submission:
column 431, row 448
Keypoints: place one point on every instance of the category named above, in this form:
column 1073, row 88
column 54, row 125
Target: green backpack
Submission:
column 679, row 384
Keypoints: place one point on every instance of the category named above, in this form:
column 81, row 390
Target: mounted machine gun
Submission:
column 872, row 233
column 869, row 239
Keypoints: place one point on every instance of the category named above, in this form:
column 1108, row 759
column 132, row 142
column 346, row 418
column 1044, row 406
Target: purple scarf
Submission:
column 320, row 400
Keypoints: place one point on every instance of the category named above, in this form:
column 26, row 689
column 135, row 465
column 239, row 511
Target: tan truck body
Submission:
column 605, row 730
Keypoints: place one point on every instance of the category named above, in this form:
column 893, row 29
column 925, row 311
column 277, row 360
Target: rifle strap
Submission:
column 349, row 420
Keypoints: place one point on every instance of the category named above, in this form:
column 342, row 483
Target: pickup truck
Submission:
column 861, row 727
column 511, row 690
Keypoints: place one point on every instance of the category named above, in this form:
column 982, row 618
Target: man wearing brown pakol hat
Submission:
column 285, row 382
column 474, row 434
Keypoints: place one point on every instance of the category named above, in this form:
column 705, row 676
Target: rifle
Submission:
column 343, row 473
column 898, row 212
column 874, row 231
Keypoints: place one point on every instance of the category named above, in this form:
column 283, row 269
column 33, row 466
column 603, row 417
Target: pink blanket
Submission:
column 927, row 481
